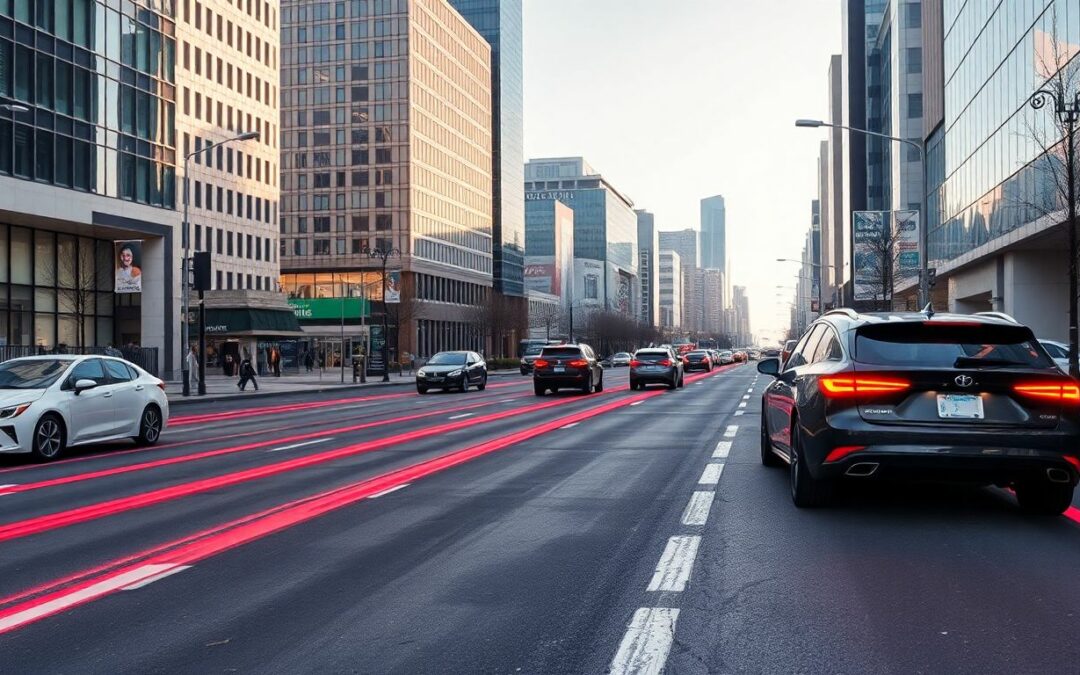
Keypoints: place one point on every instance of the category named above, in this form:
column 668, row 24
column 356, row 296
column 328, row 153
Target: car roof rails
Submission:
column 998, row 315
column 844, row 311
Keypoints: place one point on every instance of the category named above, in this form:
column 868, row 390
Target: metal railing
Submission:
column 144, row 357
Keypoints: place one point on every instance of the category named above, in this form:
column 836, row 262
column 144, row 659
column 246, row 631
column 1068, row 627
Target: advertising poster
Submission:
column 375, row 365
column 392, row 292
column 868, row 229
column 541, row 275
column 128, row 262
column 906, row 247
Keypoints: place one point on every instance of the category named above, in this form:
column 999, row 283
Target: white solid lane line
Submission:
column 570, row 426
column 722, row 449
column 461, row 416
column 731, row 431
column 300, row 445
column 711, row 474
column 644, row 648
column 697, row 509
column 389, row 490
column 157, row 577
column 676, row 563
column 637, row 402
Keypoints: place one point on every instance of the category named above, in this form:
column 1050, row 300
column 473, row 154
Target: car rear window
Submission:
column 561, row 351
column 652, row 356
column 697, row 354
column 940, row 346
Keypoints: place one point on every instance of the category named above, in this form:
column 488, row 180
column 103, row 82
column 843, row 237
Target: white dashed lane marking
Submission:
column 644, row 648
column 461, row 416
column 697, row 509
column 731, row 431
column 711, row 474
column 722, row 449
column 742, row 404
column 739, row 412
column 676, row 563
column 637, row 403
column 569, row 426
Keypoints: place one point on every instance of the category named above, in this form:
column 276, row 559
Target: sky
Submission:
column 677, row 100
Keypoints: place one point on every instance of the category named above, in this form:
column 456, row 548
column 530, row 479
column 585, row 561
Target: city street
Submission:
column 500, row 532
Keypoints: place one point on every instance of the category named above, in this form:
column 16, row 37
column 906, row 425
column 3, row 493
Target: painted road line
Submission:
column 742, row 404
column 676, row 563
column 461, row 416
column 637, row 402
column 299, row 445
column 739, row 412
column 731, row 431
column 750, row 390
column 697, row 509
column 711, row 474
column 389, row 490
column 746, row 397
column 157, row 577
column 645, row 646
column 570, row 426
column 722, row 450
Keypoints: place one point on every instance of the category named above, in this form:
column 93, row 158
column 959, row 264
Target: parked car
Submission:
column 955, row 397
column 726, row 357
column 1059, row 351
column 698, row 360
column 740, row 356
column 620, row 359
column 771, row 353
column 753, row 355
column 49, row 403
column 568, row 366
column 656, row 365
column 531, row 354
column 452, row 370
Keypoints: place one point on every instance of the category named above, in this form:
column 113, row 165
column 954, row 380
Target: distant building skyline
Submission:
column 714, row 233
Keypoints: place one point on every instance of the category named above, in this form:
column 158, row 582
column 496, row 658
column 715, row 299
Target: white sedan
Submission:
column 1059, row 351
column 48, row 403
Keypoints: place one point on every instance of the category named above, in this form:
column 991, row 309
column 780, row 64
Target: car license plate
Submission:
column 960, row 406
column 559, row 369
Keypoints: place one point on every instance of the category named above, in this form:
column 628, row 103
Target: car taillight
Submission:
column 664, row 362
column 578, row 363
column 634, row 363
column 161, row 385
column 540, row 363
column 1063, row 392
column 839, row 386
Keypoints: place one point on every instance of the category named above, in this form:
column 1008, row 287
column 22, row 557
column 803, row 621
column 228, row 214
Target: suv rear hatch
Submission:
column 558, row 360
column 953, row 373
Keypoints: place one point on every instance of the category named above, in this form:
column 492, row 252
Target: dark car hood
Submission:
column 441, row 370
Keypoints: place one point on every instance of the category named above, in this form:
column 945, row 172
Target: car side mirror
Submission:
column 769, row 367
column 83, row 385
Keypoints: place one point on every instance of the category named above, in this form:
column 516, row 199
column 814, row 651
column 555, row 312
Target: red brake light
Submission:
column 836, row 454
column 540, row 363
column 634, row 363
column 839, row 386
column 1063, row 392
column 1074, row 461
column 664, row 362
column 161, row 385
column 578, row 363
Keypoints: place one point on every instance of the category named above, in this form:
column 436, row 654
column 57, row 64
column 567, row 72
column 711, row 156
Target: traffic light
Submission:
column 201, row 262
column 931, row 277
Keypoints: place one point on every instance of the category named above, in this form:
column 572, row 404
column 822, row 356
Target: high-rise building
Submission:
column 712, row 301
column 500, row 22
column 648, row 249
column 549, row 250
column 386, row 146
column 835, row 226
column 713, row 233
column 741, row 306
column 670, row 287
column 685, row 243
column 605, row 231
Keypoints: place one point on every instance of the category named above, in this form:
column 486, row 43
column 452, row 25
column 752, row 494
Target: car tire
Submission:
column 483, row 384
column 464, row 385
column 806, row 491
column 49, row 438
column 588, row 387
column 674, row 383
column 149, row 426
column 633, row 385
column 1043, row 497
column 682, row 381
column 539, row 389
column 768, row 457
column 600, row 385
column 420, row 389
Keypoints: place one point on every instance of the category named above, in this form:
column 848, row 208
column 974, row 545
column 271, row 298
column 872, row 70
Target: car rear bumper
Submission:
column 652, row 375
column 950, row 463
column 575, row 379
column 696, row 366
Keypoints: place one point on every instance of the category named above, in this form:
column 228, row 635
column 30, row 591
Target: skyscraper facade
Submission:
column 648, row 250
column 670, row 285
column 713, row 233
column 386, row 146
column 500, row 22
column 685, row 243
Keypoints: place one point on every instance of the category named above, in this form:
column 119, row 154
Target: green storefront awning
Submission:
column 280, row 322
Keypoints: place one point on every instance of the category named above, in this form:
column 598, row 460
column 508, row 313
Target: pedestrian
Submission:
column 227, row 365
column 193, row 365
column 275, row 360
column 309, row 360
column 247, row 373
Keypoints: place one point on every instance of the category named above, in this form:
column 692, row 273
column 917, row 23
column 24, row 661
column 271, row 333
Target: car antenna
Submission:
column 929, row 310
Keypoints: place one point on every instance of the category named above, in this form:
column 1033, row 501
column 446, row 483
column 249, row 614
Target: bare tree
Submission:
column 497, row 319
column 883, row 253
column 76, row 290
column 547, row 316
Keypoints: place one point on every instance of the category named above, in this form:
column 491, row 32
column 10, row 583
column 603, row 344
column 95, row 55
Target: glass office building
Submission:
column 714, row 233
column 499, row 21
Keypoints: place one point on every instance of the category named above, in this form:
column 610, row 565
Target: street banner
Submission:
column 392, row 292
column 906, row 247
column 375, row 365
column 128, row 266
column 867, row 231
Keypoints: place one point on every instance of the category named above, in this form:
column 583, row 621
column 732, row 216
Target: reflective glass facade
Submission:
column 713, row 233
column 984, row 164
column 499, row 21
column 98, row 79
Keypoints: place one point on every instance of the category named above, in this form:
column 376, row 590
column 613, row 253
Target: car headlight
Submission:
column 13, row 411
column 454, row 373
column 421, row 373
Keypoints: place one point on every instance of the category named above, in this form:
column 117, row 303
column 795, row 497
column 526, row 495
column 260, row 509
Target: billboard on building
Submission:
column 128, row 267
column 886, row 252
column 867, row 233
column 906, row 246
column 542, row 274
column 392, row 292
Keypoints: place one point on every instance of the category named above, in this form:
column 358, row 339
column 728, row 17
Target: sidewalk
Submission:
column 220, row 387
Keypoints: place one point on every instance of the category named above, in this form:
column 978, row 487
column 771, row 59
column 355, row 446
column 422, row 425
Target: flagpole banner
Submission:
column 868, row 229
column 906, row 247
column 128, row 267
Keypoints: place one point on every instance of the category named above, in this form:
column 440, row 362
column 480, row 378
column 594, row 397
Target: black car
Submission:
column 698, row 360
column 571, row 366
column 969, row 398
column 527, row 359
column 452, row 370
column 656, row 365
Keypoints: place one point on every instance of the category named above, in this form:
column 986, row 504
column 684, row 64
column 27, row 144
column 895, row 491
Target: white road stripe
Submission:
column 645, row 646
column 676, row 562
column 300, row 445
column 739, row 412
column 731, row 431
column 7, row 485
column 742, row 404
column 722, row 449
column 697, row 509
column 149, row 580
column 461, row 416
column 82, row 595
column 389, row 490
column 750, row 390
column 507, row 400
column 637, row 402
column 570, row 426
column 711, row 474
column 746, row 397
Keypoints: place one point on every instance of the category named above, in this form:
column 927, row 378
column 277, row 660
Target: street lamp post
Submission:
column 384, row 256
column 924, row 277
column 185, row 271
column 821, row 286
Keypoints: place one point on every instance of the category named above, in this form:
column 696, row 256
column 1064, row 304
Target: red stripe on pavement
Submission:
column 1073, row 514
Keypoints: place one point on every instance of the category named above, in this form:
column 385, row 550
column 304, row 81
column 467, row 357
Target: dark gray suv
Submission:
column 567, row 367
column 656, row 365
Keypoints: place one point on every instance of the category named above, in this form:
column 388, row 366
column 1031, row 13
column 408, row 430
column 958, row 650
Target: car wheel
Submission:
column 806, row 491
column 48, row 441
column 420, row 389
column 483, row 384
column 682, row 380
column 1043, row 497
column 464, row 384
column 588, row 387
column 768, row 457
column 633, row 385
column 600, row 385
column 149, row 426
column 674, row 382
column 539, row 389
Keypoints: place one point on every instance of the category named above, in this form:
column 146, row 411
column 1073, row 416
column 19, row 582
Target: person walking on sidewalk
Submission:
column 247, row 373
column 275, row 361
column 193, row 365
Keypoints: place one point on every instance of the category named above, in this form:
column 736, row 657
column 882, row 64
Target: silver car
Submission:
column 656, row 365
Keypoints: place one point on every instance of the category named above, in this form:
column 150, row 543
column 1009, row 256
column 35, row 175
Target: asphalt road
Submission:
column 498, row 532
